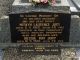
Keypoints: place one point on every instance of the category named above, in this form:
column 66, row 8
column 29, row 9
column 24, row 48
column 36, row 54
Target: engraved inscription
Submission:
column 41, row 27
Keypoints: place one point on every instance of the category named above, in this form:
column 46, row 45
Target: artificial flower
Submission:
column 44, row 1
column 52, row 2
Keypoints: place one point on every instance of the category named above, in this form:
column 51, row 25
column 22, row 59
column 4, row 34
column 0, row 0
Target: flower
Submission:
column 52, row 2
column 44, row 1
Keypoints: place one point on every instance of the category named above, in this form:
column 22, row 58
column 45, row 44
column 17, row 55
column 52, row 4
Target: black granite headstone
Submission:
column 40, row 27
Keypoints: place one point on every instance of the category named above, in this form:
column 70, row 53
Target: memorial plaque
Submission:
column 40, row 27
column 40, row 49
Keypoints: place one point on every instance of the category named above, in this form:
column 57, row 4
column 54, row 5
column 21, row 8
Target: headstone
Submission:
column 40, row 24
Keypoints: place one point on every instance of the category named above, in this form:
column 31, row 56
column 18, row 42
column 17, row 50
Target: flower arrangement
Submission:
column 44, row 2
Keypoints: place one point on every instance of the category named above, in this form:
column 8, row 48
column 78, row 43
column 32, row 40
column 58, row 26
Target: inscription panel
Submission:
column 40, row 49
column 40, row 27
